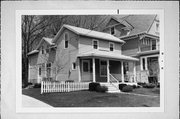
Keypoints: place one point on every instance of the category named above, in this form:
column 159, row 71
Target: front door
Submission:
column 86, row 73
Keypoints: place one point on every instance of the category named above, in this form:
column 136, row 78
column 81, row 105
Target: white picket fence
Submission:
column 47, row 86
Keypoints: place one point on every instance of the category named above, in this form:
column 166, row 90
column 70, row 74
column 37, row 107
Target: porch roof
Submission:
column 107, row 54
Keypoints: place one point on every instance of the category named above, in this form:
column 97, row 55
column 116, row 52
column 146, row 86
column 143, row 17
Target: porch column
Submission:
column 94, row 75
column 122, row 72
column 108, row 78
column 134, row 71
column 146, row 66
column 79, row 69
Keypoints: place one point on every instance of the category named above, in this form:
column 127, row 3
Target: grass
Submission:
column 147, row 91
column 92, row 99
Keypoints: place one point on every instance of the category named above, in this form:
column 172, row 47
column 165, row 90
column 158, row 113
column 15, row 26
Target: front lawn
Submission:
column 147, row 91
column 92, row 99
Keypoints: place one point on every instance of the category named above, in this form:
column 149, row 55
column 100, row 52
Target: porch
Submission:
column 105, row 67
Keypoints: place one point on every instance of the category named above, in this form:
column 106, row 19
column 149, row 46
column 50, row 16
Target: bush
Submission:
column 92, row 86
column 134, row 86
column 149, row 85
column 37, row 85
column 127, row 88
column 141, row 84
column 70, row 81
column 122, row 85
column 102, row 89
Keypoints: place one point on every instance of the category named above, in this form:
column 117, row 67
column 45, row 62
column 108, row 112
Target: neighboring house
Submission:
column 141, row 34
column 82, row 55
column 41, row 60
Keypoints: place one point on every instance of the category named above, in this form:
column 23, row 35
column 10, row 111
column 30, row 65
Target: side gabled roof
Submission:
column 88, row 33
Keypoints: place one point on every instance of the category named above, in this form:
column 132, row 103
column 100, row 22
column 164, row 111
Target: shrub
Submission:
column 92, row 86
column 122, row 85
column 102, row 89
column 37, row 85
column 127, row 88
column 141, row 84
column 134, row 86
column 149, row 85
column 70, row 81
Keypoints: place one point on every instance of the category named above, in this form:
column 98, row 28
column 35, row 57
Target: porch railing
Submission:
column 112, row 79
column 48, row 86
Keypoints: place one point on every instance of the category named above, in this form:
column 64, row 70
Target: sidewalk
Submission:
column 32, row 102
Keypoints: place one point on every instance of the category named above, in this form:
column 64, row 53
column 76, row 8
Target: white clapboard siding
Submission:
column 48, row 87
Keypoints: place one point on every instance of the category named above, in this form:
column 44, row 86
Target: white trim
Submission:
column 97, row 44
column 100, row 67
column 114, row 30
column 88, row 61
column 79, row 69
column 113, row 46
column 94, row 69
column 73, row 66
column 65, row 40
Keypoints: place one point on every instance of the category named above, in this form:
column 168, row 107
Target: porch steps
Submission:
column 112, row 87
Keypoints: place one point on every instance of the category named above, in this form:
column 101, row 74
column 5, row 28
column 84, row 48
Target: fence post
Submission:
column 41, row 87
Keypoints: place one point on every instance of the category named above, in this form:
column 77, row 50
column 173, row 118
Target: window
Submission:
column 39, row 71
column 66, row 43
column 153, row 46
column 111, row 46
column 157, row 27
column 86, row 66
column 73, row 66
column 143, row 63
column 103, row 68
column 95, row 44
column 112, row 31
column 42, row 50
column 48, row 68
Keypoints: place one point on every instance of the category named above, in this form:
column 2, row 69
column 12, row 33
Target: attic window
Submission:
column 157, row 27
column 66, row 40
column 112, row 31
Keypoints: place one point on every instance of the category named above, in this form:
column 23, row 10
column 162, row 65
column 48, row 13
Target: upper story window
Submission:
column 153, row 45
column 43, row 50
column 111, row 46
column 112, row 30
column 157, row 27
column 66, row 40
column 95, row 44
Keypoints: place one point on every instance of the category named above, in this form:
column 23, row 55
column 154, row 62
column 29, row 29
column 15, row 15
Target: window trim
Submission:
column 111, row 30
column 97, row 44
column 100, row 68
column 66, row 40
column 157, row 28
column 88, row 61
column 110, row 45
column 73, row 66
column 49, row 68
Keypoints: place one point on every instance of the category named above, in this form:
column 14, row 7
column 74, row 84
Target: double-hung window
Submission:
column 111, row 46
column 112, row 30
column 66, row 40
column 95, row 44
column 48, row 68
